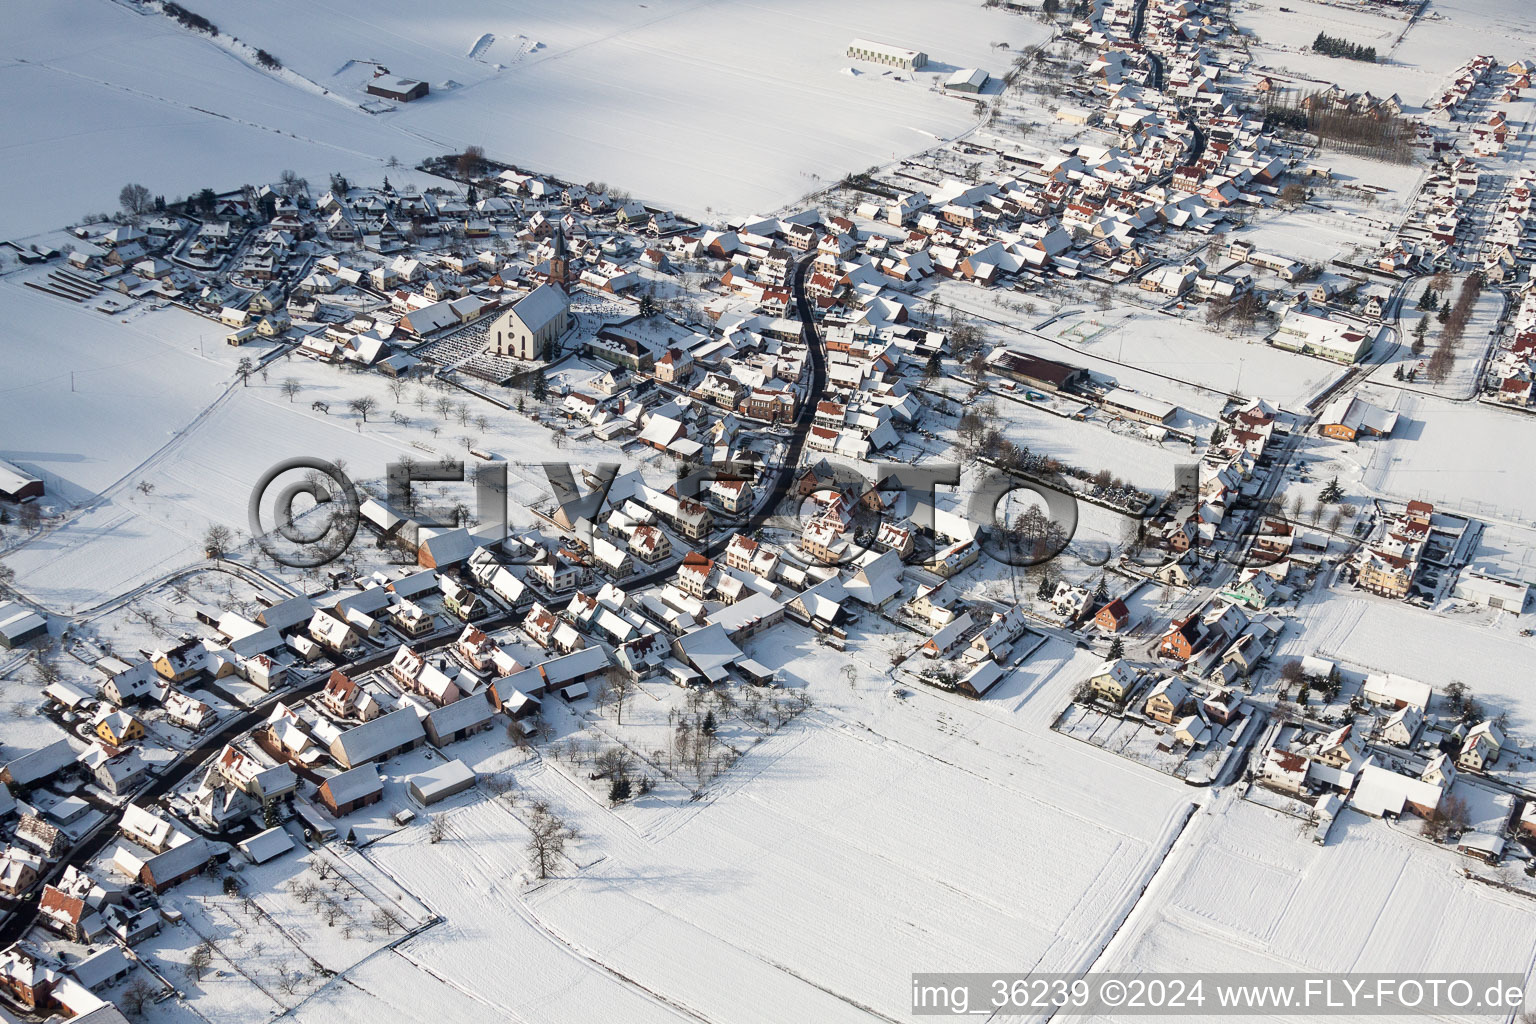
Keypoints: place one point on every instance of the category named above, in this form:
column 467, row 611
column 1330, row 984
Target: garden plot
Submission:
column 295, row 922
column 1141, row 740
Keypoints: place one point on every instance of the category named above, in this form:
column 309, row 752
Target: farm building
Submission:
column 18, row 624
column 402, row 90
column 441, row 782
column 885, row 53
column 1035, row 371
column 967, row 80
column 16, row 485
column 344, row 793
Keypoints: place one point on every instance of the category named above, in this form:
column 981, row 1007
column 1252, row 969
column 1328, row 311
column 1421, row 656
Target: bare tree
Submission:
column 216, row 540
column 331, row 911
column 436, row 830
column 614, row 763
column 135, row 200
column 548, row 834
column 386, row 920
column 199, row 959
column 471, row 162
column 46, row 671
column 287, row 979
column 135, row 996
column 363, row 405
column 396, row 389
column 620, row 687
column 290, row 388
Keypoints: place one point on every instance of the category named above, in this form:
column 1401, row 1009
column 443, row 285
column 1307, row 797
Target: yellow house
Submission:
column 119, row 728
column 1166, row 700
column 180, row 662
column 1114, row 681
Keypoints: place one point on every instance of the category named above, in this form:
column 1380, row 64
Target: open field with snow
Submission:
column 1414, row 61
column 1183, row 348
column 113, row 96
column 655, row 98
column 1443, row 452
column 1250, row 894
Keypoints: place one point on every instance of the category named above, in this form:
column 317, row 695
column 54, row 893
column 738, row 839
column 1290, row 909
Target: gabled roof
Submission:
column 371, row 739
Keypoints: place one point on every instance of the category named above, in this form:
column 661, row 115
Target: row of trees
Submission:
column 1333, row 46
column 1453, row 325
column 1373, row 134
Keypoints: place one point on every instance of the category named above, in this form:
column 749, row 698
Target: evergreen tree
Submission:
column 1050, row 8
column 619, row 790
column 1101, row 592
column 1116, row 648
column 709, row 726
column 1333, row 493
column 1046, row 588
column 1444, row 314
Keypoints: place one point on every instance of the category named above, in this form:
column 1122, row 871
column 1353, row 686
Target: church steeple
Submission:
column 559, row 260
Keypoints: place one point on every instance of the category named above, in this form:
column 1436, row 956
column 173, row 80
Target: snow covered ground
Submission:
column 1442, row 452
column 114, row 96
column 872, row 837
column 1186, row 350
column 653, row 98
column 1247, row 893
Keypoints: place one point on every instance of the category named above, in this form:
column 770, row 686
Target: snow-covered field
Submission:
column 658, row 98
column 1186, row 350
column 872, row 838
column 1446, row 452
column 1413, row 61
column 1250, row 894
column 113, row 96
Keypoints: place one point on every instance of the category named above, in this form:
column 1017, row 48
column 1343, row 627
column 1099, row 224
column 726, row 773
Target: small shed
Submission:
column 755, row 672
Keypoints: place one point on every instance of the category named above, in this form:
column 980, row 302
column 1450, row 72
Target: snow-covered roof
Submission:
column 354, row 784
column 265, row 846
column 369, row 740
column 540, row 307
column 442, row 780
column 708, row 649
